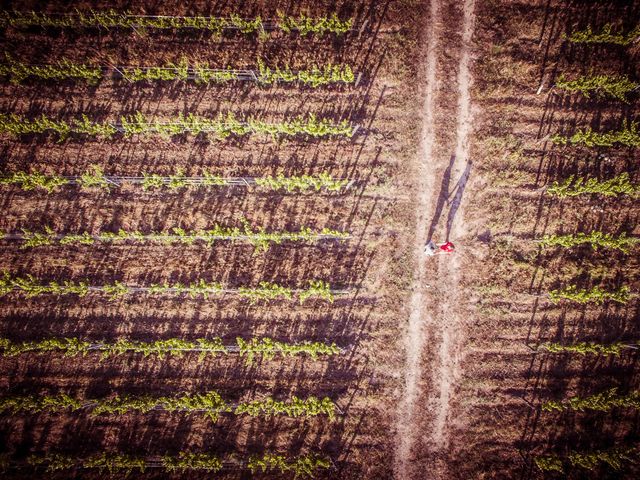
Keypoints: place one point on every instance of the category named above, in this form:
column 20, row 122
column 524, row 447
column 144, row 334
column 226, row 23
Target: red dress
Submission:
column 447, row 247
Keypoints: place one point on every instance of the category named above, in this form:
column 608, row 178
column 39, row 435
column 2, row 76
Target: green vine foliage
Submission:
column 595, row 295
column 304, row 466
column 186, row 461
column 31, row 181
column 315, row 77
column 61, row 70
column 95, row 178
column 210, row 404
column 627, row 136
column 264, row 347
column 183, row 70
column 301, row 183
column 615, row 86
column 257, row 237
column 90, row 18
column 266, row 291
column 595, row 239
column 614, row 458
column 268, row 348
column 319, row 26
column 221, row 127
column 116, row 463
column 549, row 463
column 574, row 186
column 183, row 462
column 601, row 402
column 53, row 462
column 606, row 35
column 589, row 348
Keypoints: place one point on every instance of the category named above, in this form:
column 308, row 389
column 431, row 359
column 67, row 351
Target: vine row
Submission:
column 257, row 237
column 574, row 186
column 265, row 291
column 303, row 24
column 200, row 73
column 96, row 178
column 300, row 466
column 590, row 348
column 615, row 458
column 174, row 347
column 616, row 86
column 209, row 404
column 595, row 239
column 627, row 136
column 606, row 35
column 595, row 295
column 221, row 126
column 601, row 402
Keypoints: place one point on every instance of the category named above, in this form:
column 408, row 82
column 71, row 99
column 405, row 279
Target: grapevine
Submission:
column 216, row 25
column 32, row 287
column 602, row 402
column 595, row 239
column 300, row 466
column 588, row 460
column 257, row 237
column 574, row 186
column 184, row 461
column 595, row 295
column 586, row 348
column 96, row 178
column 221, row 127
column 628, row 137
column 602, row 85
column 210, row 404
column 604, row 36
column 265, row 347
column 199, row 72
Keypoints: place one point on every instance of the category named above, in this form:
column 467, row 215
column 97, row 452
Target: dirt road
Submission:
column 434, row 339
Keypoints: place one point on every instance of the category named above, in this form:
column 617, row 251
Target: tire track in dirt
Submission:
column 435, row 319
column 415, row 336
column 452, row 323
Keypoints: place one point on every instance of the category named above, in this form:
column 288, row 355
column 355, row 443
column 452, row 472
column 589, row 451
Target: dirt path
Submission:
column 435, row 322
column 415, row 337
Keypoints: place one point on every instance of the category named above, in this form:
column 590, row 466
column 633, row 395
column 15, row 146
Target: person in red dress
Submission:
column 447, row 247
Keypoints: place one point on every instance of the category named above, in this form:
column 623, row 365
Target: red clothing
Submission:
column 447, row 247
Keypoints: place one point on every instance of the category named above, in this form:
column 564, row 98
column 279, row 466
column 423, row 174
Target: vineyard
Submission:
column 550, row 387
column 203, row 243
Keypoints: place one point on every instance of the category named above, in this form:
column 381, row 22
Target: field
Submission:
column 143, row 287
column 213, row 233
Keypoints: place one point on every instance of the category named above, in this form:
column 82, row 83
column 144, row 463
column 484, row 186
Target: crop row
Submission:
column 616, row 86
column 574, row 186
column 209, row 404
column 32, row 287
column 221, row 126
column 200, row 73
column 605, row 35
column 300, row 466
column 257, row 237
column 584, row 348
column 628, row 136
column 614, row 457
column 302, row 24
column 594, row 295
column 595, row 239
column 95, row 178
column 174, row 347
column 602, row 402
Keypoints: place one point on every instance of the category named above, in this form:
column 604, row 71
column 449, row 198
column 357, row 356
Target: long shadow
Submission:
column 457, row 199
column 443, row 196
